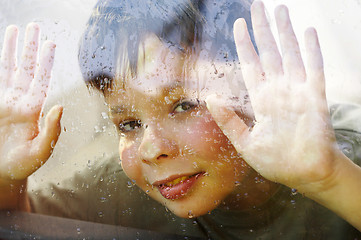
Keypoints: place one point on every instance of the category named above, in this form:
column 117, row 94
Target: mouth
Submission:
column 178, row 187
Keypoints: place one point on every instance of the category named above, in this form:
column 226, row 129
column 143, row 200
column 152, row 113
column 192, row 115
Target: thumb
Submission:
column 44, row 143
column 228, row 121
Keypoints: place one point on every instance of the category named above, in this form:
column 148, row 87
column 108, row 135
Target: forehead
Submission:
column 163, row 67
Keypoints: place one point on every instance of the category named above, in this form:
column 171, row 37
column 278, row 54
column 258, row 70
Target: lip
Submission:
column 178, row 190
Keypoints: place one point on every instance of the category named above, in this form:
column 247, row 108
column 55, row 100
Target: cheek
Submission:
column 204, row 135
column 209, row 132
column 128, row 156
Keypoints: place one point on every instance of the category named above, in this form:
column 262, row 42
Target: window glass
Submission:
column 62, row 22
column 167, row 131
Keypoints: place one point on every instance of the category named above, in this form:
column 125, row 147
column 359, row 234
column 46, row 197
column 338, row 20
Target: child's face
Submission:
column 169, row 143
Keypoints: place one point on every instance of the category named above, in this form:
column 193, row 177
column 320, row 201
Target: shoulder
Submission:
column 346, row 120
column 346, row 116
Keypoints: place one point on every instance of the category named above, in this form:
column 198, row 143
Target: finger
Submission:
column 39, row 86
column 291, row 56
column 8, row 55
column 44, row 143
column 269, row 55
column 228, row 121
column 314, row 65
column 29, row 58
column 251, row 67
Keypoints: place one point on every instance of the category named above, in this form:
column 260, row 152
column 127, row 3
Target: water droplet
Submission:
column 168, row 100
column 16, row 227
column 346, row 150
column 190, row 214
column 105, row 115
column 189, row 130
column 100, row 214
column 78, row 230
column 336, row 21
column 129, row 184
column 293, row 191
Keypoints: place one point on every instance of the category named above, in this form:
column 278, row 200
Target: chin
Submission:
column 185, row 209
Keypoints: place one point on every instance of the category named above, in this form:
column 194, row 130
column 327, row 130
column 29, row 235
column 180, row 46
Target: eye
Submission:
column 128, row 126
column 185, row 105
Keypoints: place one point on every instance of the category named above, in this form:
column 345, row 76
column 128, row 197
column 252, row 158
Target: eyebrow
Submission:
column 119, row 109
column 174, row 88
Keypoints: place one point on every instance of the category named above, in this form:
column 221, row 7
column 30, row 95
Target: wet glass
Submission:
column 149, row 70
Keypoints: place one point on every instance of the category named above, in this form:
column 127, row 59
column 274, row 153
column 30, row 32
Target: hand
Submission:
column 292, row 141
column 23, row 146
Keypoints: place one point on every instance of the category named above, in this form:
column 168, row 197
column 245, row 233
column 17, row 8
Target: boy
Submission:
column 157, row 72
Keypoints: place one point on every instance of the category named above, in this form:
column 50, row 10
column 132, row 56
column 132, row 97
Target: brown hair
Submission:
column 116, row 29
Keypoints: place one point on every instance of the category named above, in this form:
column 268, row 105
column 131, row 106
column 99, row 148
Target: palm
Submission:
column 292, row 141
column 22, row 94
column 16, row 131
column 291, row 136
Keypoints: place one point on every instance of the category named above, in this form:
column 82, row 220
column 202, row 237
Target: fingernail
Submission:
column 240, row 28
column 49, row 44
column 311, row 39
column 258, row 12
column 214, row 102
column 32, row 28
column 258, row 4
column 59, row 112
column 12, row 32
column 283, row 13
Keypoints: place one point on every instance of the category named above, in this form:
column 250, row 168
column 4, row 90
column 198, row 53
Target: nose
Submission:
column 155, row 147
